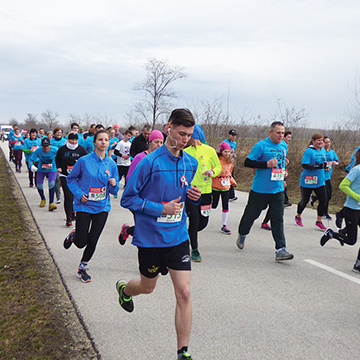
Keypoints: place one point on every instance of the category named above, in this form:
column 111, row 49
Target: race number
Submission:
column 165, row 218
column 97, row 193
column 277, row 174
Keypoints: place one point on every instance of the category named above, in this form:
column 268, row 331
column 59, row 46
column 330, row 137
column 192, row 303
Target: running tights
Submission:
column 88, row 230
column 305, row 197
column 68, row 198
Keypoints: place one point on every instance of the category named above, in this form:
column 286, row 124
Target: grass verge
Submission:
column 37, row 319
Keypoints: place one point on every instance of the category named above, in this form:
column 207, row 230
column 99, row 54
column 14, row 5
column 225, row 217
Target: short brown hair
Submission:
column 182, row 117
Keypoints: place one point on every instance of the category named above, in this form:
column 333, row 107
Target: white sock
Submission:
column 224, row 217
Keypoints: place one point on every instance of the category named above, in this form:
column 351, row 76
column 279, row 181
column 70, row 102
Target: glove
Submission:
column 34, row 168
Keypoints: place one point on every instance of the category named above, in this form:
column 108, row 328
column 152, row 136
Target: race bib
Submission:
column 277, row 174
column 205, row 210
column 165, row 218
column 33, row 148
column 225, row 181
column 69, row 168
column 311, row 180
column 329, row 165
column 46, row 166
column 97, row 193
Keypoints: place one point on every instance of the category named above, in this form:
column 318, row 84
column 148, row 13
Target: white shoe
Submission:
column 58, row 201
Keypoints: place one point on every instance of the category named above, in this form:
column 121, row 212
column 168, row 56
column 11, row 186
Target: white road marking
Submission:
column 336, row 272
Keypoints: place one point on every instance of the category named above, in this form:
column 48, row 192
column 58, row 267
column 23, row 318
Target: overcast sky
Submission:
column 85, row 56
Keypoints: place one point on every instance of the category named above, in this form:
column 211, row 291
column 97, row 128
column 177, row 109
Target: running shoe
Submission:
column 31, row 185
column 123, row 234
column 42, row 203
column 287, row 204
column 186, row 356
column 282, row 254
column 73, row 216
column 58, row 201
column 233, row 199
column 320, row 225
column 68, row 223
column 115, row 196
column 265, row 226
column 298, row 221
column 84, row 276
column 225, row 230
column 240, row 242
column 125, row 302
column 327, row 217
column 338, row 220
column 69, row 239
column 195, row 255
column 312, row 199
column 356, row 269
column 328, row 234
column 52, row 207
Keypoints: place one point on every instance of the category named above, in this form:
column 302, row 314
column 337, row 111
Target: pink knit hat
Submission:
column 156, row 134
column 224, row 146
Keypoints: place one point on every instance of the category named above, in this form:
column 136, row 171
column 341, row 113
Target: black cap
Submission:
column 232, row 132
column 45, row 142
column 73, row 136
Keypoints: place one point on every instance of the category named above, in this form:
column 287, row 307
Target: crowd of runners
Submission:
column 172, row 180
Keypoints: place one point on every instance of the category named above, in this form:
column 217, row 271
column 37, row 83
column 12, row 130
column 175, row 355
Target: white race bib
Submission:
column 225, row 181
column 69, row 168
column 205, row 210
column 311, row 180
column 46, row 166
column 97, row 193
column 277, row 174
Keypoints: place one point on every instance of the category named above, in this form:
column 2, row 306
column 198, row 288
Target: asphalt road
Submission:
column 245, row 305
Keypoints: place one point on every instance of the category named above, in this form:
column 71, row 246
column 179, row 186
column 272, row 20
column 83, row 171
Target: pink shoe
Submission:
column 265, row 226
column 320, row 225
column 123, row 234
column 298, row 221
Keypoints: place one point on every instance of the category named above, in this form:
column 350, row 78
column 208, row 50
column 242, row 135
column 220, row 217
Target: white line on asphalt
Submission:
column 336, row 272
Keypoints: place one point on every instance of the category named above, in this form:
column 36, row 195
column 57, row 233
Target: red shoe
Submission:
column 265, row 226
column 298, row 221
column 123, row 234
column 320, row 225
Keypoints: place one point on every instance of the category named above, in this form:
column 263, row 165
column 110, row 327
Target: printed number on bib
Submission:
column 277, row 174
column 225, row 181
column 69, row 168
column 311, row 180
column 205, row 210
column 165, row 218
column 46, row 166
column 329, row 165
column 97, row 193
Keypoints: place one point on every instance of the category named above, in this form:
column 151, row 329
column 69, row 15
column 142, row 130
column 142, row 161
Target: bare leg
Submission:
column 143, row 285
column 183, row 314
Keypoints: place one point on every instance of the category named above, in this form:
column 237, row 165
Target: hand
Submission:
column 59, row 170
column 193, row 193
column 125, row 157
column 84, row 198
column 287, row 161
column 34, row 168
column 272, row 163
column 208, row 173
column 172, row 207
column 112, row 182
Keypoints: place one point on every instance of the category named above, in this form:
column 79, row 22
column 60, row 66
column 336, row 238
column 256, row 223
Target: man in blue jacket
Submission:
column 156, row 193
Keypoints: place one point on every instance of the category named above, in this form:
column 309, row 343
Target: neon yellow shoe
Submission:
column 52, row 207
column 42, row 203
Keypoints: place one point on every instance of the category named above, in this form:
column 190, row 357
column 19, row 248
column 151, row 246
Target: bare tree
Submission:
column 31, row 122
column 49, row 119
column 156, row 85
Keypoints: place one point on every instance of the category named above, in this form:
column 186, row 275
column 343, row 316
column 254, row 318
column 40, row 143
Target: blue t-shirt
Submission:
column 269, row 180
column 18, row 145
column 89, row 144
column 111, row 148
column 330, row 156
column 316, row 177
column 46, row 159
column 57, row 143
column 352, row 160
column 354, row 177
column 31, row 145
column 231, row 143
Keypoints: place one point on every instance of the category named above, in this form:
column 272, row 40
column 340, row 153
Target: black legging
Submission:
column 84, row 237
column 349, row 233
column 328, row 187
column 197, row 222
column 68, row 198
column 305, row 197
column 225, row 196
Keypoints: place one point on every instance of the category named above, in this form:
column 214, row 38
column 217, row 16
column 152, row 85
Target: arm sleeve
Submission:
column 255, row 164
column 345, row 188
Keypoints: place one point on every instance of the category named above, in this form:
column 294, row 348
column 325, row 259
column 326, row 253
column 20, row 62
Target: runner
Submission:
column 268, row 157
column 156, row 192
column 11, row 133
column 221, row 184
column 209, row 167
column 231, row 141
column 91, row 180
column 331, row 160
column 351, row 187
column 65, row 159
column 140, row 143
column 156, row 140
column 122, row 151
column 113, row 141
column 30, row 145
column 313, row 179
column 89, row 143
column 17, row 144
column 46, row 167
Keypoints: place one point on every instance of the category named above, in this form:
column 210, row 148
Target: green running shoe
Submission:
column 125, row 302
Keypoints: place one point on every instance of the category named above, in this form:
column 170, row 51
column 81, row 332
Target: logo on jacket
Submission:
column 107, row 172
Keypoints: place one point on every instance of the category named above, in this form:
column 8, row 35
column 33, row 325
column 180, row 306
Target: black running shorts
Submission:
column 153, row 261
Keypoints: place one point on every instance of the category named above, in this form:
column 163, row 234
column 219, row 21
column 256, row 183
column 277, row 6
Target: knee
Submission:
column 51, row 184
column 147, row 288
column 40, row 186
column 183, row 295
